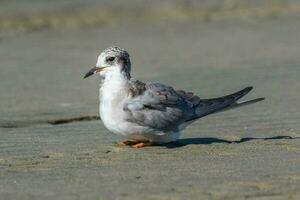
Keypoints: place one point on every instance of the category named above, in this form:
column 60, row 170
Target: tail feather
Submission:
column 239, row 104
column 210, row 106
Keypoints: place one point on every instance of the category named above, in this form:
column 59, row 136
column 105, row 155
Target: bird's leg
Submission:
column 143, row 144
column 127, row 143
column 135, row 144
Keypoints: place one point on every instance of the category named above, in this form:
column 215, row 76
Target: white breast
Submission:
column 112, row 97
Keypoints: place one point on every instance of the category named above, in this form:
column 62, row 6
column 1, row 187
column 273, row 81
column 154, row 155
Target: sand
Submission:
column 53, row 146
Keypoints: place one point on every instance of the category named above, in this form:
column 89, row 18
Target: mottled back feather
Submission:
column 161, row 107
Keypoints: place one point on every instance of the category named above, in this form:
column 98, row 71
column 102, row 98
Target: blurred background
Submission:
column 209, row 47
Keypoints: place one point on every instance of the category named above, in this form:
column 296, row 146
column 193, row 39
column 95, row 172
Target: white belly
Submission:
column 112, row 98
column 113, row 117
column 111, row 109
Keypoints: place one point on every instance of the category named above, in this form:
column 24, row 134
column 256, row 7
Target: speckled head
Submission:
column 112, row 59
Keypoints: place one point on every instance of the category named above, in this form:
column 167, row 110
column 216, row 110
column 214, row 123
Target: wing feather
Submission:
column 158, row 106
column 161, row 107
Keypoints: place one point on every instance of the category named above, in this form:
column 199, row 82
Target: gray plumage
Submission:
column 163, row 108
column 150, row 111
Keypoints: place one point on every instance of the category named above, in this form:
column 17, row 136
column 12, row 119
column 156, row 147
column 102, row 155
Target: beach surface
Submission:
column 54, row 146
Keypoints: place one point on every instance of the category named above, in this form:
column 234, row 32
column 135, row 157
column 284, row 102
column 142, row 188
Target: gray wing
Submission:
column 163, row 108
column 209, row 106
column 158, row 106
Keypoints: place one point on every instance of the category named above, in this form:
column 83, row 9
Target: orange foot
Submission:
column 142, row 144
column 135, row 144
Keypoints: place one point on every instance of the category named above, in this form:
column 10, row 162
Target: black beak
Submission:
column 93, row 71
column 90, row 72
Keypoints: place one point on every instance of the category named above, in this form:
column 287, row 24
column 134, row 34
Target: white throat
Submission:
column 114, row 81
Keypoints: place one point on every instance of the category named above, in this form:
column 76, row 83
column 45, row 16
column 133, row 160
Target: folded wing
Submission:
column 157, row 106
column 161, row 107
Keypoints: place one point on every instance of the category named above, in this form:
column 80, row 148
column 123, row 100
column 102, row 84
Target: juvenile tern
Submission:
column 149, row 113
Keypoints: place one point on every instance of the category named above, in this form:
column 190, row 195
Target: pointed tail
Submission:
column 210, row 106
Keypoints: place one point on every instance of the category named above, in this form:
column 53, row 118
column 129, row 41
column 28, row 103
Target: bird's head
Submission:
column 111, row 60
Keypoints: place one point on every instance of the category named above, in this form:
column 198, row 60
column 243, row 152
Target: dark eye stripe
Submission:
column 110, row 59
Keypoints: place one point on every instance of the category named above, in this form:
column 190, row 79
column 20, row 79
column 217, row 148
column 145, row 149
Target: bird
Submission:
column 148, row 114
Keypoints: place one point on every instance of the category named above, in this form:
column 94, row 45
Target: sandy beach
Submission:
column 54, row 146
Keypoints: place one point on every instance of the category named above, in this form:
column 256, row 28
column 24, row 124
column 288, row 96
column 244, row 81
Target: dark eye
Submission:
column 110, row 59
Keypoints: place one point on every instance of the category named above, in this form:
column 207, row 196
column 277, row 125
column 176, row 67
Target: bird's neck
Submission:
column 116, row 78
column 115, row 86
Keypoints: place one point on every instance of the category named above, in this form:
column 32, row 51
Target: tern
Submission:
column 149, row 113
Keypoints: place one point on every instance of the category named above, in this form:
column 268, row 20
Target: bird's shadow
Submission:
column 212, row 140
